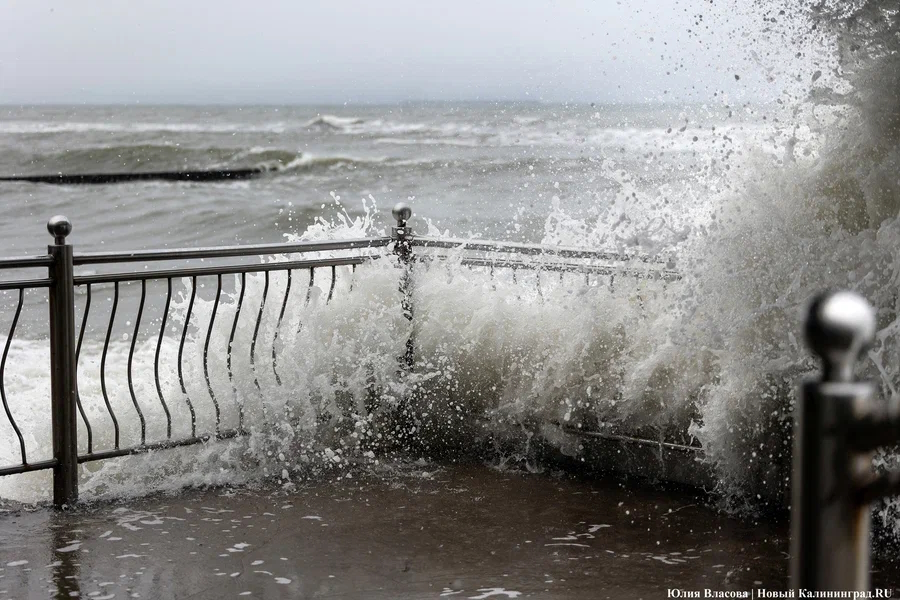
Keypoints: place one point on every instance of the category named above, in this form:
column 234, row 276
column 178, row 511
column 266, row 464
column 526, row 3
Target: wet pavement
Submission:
column 455, row 532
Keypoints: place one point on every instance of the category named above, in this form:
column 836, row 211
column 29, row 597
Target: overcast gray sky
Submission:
column 333, row 51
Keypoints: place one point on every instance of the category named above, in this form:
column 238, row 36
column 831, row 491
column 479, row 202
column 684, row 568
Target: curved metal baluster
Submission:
column 537, row 279
column 187, row 322
column 137, row 326
column 612, row 280
column 352, row 276
column 12, row 332
column 212, row 320
column 259, row 317
column 312, row 281
column 514, row 277
column 112, row 318
column 237, row 315
column 333, row 281
column 162, row 331
column 587, row 279
column 84, row 321
column 287, row 291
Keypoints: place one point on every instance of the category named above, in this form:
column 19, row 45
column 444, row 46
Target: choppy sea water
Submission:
column 490, row 169
column 761, row 207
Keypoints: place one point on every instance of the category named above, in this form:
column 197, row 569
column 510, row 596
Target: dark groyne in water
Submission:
column 104, row 178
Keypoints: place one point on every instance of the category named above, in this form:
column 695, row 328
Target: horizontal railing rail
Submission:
column 164, row 445
column 506, row 263
column 220, row 270
column 19, row 284
column 39, row 465
column 14, row 264
column 618, row 437
column 26, row 262
column 532, row 249
column 90, row 258
column 538, row 258
column 138, row 305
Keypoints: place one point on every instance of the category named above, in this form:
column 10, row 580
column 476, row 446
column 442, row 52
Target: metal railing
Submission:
column 112, row 274
column 838, row 427
column 64, row 284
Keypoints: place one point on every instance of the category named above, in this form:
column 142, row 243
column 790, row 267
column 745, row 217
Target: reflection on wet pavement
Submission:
column 461, row 532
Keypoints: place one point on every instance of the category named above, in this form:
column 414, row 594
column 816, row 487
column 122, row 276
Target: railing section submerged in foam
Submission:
column 75, row 280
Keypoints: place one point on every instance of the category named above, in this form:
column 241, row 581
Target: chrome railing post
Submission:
column 63, row 383
column 402, row 236
column 837, row 428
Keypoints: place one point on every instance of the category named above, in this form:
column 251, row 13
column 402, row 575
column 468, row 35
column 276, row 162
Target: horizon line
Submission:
column 158, row 103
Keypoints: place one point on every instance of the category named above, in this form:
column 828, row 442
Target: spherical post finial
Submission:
column 840, row 326
column 59, row 227
column 402, row 212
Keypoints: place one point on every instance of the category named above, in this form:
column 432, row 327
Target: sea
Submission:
column 488, row 169
column 758, row 204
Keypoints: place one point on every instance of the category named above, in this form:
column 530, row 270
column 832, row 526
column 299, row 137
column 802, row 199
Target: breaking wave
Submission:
column 823, row 213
